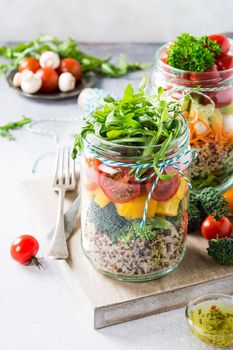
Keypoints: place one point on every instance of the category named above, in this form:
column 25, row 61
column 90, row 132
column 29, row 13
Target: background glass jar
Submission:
column 113, row 203
column 210, row 110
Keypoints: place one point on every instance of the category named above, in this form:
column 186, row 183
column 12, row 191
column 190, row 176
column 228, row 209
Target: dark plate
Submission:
column 88, row 80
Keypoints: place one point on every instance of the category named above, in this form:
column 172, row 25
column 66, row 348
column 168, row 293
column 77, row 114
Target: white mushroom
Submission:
column 228, row 122
column 66, row 82
column 31, row 84
column 17, row 79
column 49, row 59
column 26, row 74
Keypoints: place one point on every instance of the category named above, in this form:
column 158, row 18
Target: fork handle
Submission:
column 58, row 248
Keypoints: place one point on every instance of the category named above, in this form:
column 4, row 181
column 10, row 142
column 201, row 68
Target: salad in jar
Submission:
column 135, row 160
column 205, row 66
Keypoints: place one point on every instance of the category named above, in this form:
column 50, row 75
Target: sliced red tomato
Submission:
column 165, row 189
column 212, row 229
column 222, row 41
column 224, row 62
column 119, row 187
column 30, row 63
column 91, row 173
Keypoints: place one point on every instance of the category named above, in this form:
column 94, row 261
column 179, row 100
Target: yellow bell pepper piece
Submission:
column 169, row 207
column 182, row 190
column 99, row 197
column 134, row 209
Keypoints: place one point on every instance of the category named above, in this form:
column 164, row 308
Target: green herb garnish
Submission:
column 213, row 322
column 5, row 129
column 64, row 49
column 192, row 54
column 137, row 119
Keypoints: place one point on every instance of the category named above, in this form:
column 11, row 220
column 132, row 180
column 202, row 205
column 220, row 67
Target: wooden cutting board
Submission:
column 108, row 302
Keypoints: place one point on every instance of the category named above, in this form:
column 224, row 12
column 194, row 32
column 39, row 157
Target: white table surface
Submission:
column 37, row 310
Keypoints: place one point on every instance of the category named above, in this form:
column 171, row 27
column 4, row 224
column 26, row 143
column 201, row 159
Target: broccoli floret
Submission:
column 221, row 250
column 153, row 227
column 208, row 201
column 194, row 215
column 212, row 202
column 107, row 219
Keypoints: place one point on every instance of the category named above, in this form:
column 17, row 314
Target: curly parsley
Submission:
column 192, row 54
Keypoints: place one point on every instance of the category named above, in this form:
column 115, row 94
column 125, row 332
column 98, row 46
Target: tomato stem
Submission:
column 35, row 261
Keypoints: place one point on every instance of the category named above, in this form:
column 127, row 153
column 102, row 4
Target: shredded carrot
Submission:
column 214, row 133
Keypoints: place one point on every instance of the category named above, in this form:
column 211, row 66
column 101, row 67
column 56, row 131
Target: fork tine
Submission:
column 56, row 168
column 59, row 173
column 67, row 167
column 61, row 177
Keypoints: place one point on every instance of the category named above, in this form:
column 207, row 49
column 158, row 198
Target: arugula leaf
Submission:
column 68, row 48
column 128, row 94
column 144, row 83
column 137, row 119
column 4, row 130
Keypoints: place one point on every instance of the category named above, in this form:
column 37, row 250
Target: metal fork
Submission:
column 64, row 180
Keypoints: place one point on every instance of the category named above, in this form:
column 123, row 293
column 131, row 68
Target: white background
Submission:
column 113, row 20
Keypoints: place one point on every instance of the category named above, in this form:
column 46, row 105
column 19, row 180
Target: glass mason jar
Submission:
column 210, row 113
column 113, row 202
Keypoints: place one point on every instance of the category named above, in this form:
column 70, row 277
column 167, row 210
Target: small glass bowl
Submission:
column 220, row 340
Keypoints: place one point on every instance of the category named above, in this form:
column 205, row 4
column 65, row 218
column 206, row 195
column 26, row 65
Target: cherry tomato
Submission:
column 223, row 42
column 49, row 79
column 220, row 98
column 24, row 249
column 30, row 63
column 165, row 189
column 91, row 173
column 120, row 187
column 182, row 79
column 164, row 57
column 224, row 62
column 228, row 195
column 209, row 77
column 212, row 229
column 72, row 66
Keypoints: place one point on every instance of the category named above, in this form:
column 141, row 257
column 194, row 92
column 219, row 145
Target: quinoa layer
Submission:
column 210, row 159
column 138, row 257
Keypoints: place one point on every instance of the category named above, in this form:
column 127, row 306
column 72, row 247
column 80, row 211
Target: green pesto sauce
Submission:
column 214, row 319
